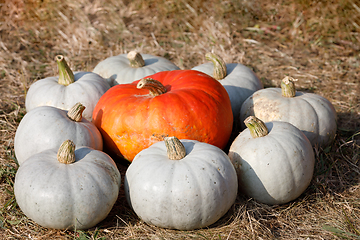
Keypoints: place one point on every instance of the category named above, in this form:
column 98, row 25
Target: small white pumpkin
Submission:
column 126, row 68
column 238, row 80
column 47, row 127
column 311, row 113
column 181, row 185
column 65, row 90
column 67, row 188
column 274, row 161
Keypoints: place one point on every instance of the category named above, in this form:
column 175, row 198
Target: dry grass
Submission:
column 314, row 41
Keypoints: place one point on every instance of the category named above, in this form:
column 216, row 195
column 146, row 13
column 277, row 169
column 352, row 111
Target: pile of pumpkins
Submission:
column 172, row 126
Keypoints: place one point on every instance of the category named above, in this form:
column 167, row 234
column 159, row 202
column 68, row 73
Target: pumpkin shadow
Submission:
column 189, row 146
column 121, row 214
column 80, row 74
column 247, row 88
column 81, row 154
column 150, row 61
column 109, row 144
column 256, row 184
column 112, row 79
column 336, row 164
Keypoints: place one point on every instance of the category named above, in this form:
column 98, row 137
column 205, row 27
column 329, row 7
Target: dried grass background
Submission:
column 316, row 41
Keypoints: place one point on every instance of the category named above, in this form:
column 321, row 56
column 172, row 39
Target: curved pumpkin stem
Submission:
column 66, row 152
column 75, row 113
column 175, row 149
column 219, row 65
column 256, row 126
column 66, row 76
column 288, row 87
column 154, row 86
column 135, row 59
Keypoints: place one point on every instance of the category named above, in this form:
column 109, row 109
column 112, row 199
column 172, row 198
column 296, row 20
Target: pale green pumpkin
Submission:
column 126, row 68
column 181, row 184
column 67, row 89
column 274, row 161
column 67, row 188
column 47, row 127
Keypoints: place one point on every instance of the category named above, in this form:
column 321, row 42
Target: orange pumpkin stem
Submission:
column 135, row 59
column 175, row 149
column 256, row 126
column 66, row 152
column 66, row 76
column 154, row 86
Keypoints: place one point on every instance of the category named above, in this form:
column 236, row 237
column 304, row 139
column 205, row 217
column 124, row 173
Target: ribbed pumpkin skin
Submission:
column 195, row 106
column 61, row 196
column 87, row 89
column 117, row 69
column 46, row 127
column 184, row 194
column 276, row 168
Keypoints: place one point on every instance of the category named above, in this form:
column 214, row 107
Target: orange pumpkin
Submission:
column 187, row 104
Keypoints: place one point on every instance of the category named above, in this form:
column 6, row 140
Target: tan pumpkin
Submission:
column 311, row 113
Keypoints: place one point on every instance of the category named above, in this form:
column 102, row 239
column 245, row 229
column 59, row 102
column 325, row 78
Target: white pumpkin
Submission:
column 274, row 161
column 311, row 113
column 47, row 127
column 181, row 185
column 238, row 80
column 68, row 188
column 65, row 90
column 126, row 68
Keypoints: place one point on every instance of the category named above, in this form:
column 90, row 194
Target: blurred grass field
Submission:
column 317, row 42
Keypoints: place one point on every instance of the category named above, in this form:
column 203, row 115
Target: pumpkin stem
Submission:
column 175, row 149
column 75, row 113
column 135, row 59
column 154, row 86
column 219, row 65
column 256, row 126
column 66, row 152
column 66, row 76
column 288, row 87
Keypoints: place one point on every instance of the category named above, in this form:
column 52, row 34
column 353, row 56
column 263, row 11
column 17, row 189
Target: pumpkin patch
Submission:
column 172, row 126
column 142, row 122
column 176, row 187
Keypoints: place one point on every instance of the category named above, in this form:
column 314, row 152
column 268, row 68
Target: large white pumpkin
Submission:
column 192, row 192
column 238, row 80
column 274, row 161
column 65, row 90
column 126, row 68
column 47, row 127
column 311, row 113
column 67, row 188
